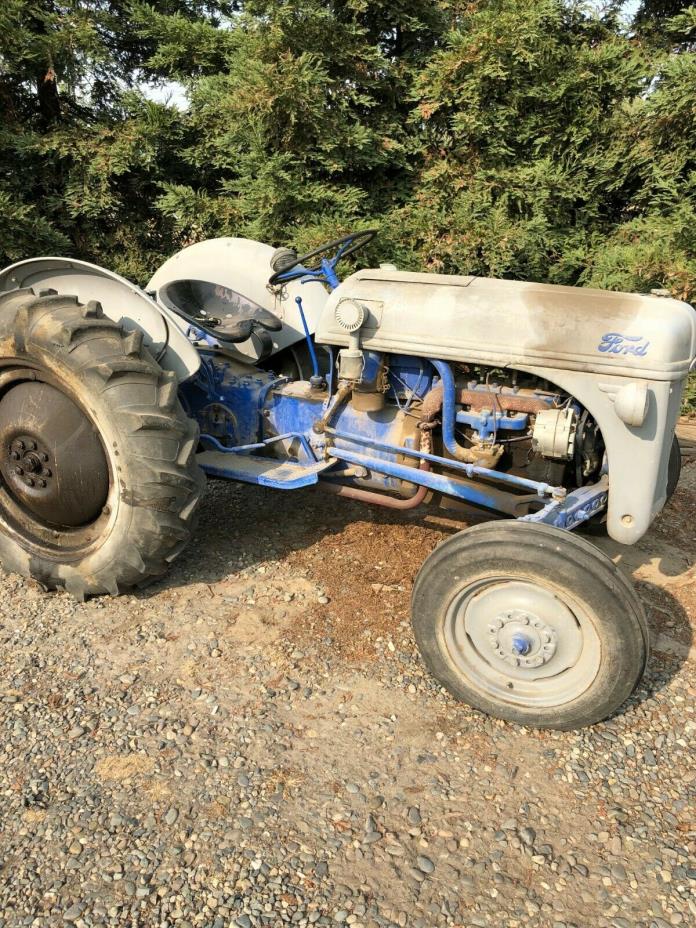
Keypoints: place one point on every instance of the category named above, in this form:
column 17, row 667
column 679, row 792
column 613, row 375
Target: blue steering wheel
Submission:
column 287, row 265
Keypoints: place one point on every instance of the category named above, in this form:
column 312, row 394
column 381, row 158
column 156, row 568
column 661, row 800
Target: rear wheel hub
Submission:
column 51, row 459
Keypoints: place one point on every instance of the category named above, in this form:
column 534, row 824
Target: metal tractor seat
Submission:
column 220, row 312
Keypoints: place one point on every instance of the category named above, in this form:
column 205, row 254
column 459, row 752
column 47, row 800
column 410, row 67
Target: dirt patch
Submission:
column 120, row 767
column 365, row 572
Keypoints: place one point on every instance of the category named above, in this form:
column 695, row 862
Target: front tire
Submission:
column 531, row 624
column 98, row 480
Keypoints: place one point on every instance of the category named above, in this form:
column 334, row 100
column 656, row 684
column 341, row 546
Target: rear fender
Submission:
column 164, row 333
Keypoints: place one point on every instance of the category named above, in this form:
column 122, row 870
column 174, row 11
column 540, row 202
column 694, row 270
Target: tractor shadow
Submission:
column 244, row 526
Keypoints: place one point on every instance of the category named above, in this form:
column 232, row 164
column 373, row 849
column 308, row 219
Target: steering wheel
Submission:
column 284, row 260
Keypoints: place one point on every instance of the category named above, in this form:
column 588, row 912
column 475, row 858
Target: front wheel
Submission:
column 531, row 624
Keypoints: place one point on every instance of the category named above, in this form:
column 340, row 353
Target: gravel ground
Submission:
column 254, row 742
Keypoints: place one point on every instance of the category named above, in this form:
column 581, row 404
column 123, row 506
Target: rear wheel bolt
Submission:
column 19, row 470
column 42, row 483
column 14, row 455
column 30, row 481
column 44, row 457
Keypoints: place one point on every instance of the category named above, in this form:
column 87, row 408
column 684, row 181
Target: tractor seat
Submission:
column 223, row 313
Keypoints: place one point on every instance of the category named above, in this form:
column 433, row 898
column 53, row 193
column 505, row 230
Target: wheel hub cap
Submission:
column 522, row 638
column 521, row 641
column 51, row 459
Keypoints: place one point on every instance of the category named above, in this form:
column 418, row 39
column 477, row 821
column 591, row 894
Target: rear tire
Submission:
column 98, row 480
column 531, row 624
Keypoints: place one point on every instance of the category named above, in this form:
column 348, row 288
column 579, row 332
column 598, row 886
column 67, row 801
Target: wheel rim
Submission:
column 521, row 642
column 54, row 473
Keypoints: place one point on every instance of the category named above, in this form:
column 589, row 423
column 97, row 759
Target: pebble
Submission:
column 171, row 816
column 207, row 754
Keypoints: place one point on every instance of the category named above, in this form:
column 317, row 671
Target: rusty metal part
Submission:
column 381, row 499
column 342, row 395
column 431, row 407
column 485, row 455
column 520, row 401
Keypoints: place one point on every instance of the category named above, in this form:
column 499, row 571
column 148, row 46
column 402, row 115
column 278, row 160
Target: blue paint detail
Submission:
column 449, row 411
column 488, row 422
column 240, row 389
column 578, row 506
column 263, row 471
column 521, row 644
column 470, row 470
column 372, row 365
column 469, row 492
column 328, row 267
column 325, row 273
column 288, row 412
column 266, row 414
column 616, row 343
column 308, row 339
column 255, row 446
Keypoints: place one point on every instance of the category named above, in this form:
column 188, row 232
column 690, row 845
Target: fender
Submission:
column 164, row 333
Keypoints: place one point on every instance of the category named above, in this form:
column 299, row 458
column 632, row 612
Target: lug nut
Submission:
column 31, row 445
column 14, row 455
column 19, row 471
column 30, row 481
column 46, row 471
column 42, row 483
column 43, row 456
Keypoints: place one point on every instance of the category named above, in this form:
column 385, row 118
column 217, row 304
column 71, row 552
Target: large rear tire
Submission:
column 530, row 624
column 98, row 479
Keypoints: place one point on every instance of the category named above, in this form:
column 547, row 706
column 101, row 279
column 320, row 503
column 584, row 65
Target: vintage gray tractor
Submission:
column 552, row 406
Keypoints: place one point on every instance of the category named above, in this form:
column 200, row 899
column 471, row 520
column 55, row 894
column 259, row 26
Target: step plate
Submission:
column 266, row 472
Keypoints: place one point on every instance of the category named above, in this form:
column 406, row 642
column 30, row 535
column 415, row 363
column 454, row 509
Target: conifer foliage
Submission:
column 520, row 138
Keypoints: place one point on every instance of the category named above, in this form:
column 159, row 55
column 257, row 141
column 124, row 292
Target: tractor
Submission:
column 551, row 407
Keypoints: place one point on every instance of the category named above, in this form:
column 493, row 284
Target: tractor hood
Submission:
column 504, row 322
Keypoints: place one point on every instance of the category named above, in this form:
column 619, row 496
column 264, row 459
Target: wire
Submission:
column 163, row 350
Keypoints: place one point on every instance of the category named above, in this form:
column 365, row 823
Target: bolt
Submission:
column 20, row 445
column 30, row 481
column 19, row 471
column 43, row 456
column 46, row 472
column 521, row 644
column 14, row 455
column 31, row 446
column 106, row 510
column 42, row 483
